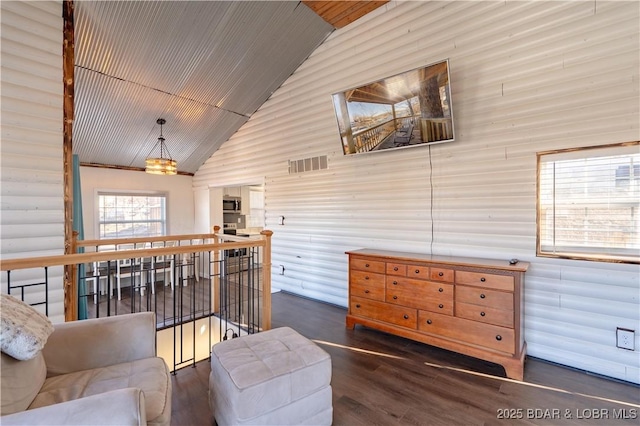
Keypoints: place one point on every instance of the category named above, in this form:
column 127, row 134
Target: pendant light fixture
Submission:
column 161, row 165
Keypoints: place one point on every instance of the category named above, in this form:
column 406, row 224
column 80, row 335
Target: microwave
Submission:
column 231, row 205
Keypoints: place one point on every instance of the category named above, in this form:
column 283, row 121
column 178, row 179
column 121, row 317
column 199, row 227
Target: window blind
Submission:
column 588, row 203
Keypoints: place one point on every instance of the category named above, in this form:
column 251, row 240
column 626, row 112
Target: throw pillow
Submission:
column 24, row 330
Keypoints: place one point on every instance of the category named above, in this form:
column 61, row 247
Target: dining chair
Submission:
column 94, row 276
column 99, row 275
column 187, row 267
column 158, row 265
column 129, row 267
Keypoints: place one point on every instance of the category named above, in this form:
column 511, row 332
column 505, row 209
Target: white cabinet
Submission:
column 245, row 200
column 232, row 191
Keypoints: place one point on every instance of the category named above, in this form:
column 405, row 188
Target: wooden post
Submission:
column 69, row 284
column 73, row 306
column 215, row 282
column 266, row 281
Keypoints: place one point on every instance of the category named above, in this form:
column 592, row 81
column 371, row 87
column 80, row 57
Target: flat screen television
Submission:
column 405, row 110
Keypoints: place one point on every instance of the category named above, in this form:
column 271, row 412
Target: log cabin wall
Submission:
column 32, row 214
column 525, row 77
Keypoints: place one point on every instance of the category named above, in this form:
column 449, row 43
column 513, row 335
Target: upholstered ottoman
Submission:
column 277, row 377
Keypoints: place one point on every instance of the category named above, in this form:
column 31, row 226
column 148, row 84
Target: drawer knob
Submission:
column 406, row 316
column 417, row 271
column 358, row 305
column 366, row 277
column 440, row 274
column 366, row 265
column 482, row 314
column 428, row 321
column 366, row 291
column 441, row 289
column 395, row 283
column 441, row 306
column 395, row 297
column 483, row 279
column 482, row 296
column 498, row 337
column 395, row 268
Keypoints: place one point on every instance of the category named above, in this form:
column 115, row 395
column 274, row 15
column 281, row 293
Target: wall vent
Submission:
column 308, row 164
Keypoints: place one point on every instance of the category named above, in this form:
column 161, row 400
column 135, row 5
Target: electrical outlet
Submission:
column 281, row 269
column 625, row 338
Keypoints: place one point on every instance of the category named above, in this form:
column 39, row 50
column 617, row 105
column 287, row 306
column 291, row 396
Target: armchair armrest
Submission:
column 93, row 343
column 118, row 407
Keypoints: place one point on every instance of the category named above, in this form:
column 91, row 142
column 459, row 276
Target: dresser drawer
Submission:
column 485, row 314
column 366, row 278
column 368, row 290
column 441, row 274
column 484, row 297
column 398, row 315
column 417, row 271
column 398, row 269
column 482, row 279
column 437, row 297
column 367, row 265
column 486, row 335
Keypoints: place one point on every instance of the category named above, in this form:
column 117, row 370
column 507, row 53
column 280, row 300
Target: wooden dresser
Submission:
column 467, row 305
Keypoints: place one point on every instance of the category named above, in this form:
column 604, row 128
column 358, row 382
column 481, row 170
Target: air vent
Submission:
column 308, row 164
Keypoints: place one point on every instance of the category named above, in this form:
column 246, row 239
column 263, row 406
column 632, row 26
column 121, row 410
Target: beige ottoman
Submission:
column 276, row 377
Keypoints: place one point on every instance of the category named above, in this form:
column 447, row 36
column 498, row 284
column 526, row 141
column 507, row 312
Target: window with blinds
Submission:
column 589, row 202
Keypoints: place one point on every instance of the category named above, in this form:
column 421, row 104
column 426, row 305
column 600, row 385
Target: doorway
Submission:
column 241, row 209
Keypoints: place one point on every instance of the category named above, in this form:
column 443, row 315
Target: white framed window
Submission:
column 589, row 203
column 127, row 215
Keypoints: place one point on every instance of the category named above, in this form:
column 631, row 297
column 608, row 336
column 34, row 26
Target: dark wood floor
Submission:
column 379, row 379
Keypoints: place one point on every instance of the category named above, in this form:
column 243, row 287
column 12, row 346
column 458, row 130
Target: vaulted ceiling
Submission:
column 203, row 66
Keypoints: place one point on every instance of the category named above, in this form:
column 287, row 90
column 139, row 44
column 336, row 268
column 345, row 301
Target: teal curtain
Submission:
column 78, row 226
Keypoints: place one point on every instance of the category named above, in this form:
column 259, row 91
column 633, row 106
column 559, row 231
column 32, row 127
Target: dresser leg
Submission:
column 515, row 368
column 515, row 372
column 350, row 323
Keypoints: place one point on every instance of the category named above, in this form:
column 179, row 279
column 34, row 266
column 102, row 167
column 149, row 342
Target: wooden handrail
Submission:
column 74, row 259
column 119, row 241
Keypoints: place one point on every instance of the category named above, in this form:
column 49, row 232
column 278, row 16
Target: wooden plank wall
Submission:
column 31, row 176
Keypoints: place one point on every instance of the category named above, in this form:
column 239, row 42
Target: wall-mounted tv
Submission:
column 404, row 110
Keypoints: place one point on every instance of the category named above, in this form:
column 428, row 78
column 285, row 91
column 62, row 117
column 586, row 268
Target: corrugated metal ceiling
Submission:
column 204, row 66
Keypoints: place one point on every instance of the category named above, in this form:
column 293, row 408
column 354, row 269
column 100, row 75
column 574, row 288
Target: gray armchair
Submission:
column 98, row 371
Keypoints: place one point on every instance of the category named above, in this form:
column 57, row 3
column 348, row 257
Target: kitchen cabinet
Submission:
column 467, row 305
column 245, row 206
column 232, row 191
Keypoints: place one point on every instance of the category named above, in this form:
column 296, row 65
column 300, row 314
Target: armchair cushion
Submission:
column 142, row 374
column 24, row 330
column 21, row 382
column 104, row 342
